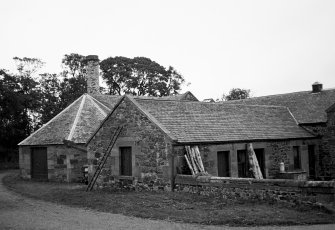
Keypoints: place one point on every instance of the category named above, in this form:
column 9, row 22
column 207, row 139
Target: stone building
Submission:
column 309, row 109
column 43, row 155
column 155, row 133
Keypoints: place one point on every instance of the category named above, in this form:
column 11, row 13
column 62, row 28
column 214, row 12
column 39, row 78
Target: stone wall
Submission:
column 150, row 146
column 274, row 153
column 64, row 164
column 267, row 189
column 327, row 156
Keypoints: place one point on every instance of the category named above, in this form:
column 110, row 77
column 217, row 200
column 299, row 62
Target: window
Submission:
column 125, row 161
column 296, row 157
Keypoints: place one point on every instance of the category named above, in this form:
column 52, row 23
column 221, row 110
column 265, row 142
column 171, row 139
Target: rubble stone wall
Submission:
column 249, row 188
column 150, row 146
column 64, row 164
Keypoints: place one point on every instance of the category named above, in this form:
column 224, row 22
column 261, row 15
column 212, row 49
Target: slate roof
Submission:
column 307, row 107
column 77, row 123
column 193, row 122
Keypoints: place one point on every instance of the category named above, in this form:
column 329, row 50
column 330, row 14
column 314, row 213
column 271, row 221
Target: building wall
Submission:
column 274, row 153
column 64, row 164
column 150, row 146
column 327, row 155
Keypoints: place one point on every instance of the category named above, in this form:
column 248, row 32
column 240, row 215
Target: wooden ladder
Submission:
column 104, row 159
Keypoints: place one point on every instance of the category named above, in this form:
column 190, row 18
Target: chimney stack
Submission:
column 92, row 74
column 316, row 87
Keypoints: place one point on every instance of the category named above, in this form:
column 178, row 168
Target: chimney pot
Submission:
column 316, row 87
column 92, row 74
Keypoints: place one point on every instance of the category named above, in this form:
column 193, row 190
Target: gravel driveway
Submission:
column 18, row 212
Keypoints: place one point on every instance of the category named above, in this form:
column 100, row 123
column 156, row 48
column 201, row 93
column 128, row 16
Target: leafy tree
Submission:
column 16, row 104
column 50, row 100
column 139, row 76
column 27, row 67
column 236, row 94
column 29, row 87
column 73, row 84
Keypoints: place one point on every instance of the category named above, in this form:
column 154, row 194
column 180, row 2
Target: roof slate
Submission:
column 307, row 107
column 218, row 122
column 77, row 123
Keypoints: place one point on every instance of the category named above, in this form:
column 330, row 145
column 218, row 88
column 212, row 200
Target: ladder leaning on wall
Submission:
column 104, row 158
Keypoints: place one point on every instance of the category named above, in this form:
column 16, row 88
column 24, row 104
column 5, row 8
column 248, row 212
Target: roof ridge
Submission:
column 96, row 102
column 281, row 94
column 46, row 124
column 206, row 103
column 104, row 120
column 74, row 124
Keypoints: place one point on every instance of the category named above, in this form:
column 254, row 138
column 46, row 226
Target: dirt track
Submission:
column 18, row 212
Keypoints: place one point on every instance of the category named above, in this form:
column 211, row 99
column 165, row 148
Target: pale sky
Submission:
column 267, row 46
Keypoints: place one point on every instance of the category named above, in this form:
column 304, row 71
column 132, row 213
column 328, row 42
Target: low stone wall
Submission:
column 266, row 189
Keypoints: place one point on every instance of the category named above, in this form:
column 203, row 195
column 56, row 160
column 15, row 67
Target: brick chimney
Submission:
column 316, row 87
column 92, row 74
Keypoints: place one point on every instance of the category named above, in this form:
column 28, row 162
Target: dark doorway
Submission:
column 296, row 158
column 223, row 164
column 39, row 163
column 261, row 160
column 242, row 162
column 125, row 161
column 311, row 161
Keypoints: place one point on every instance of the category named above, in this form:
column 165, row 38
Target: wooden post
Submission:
column 253, row 163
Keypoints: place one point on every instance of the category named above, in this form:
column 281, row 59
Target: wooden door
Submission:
column 223, row 164
column 311, row 161
column 39, row 163
column 261, row 160
column 125, row 161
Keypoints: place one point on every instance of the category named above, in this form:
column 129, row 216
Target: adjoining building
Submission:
column 312, row 111
column 155, row 133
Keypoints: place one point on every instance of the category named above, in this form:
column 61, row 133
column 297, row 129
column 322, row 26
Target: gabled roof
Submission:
column 307, row 107
column 77, row 122
column 218, row 122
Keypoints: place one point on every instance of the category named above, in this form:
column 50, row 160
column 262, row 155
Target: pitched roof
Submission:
column 218, row 122
column 76, row 123
column 307, row 107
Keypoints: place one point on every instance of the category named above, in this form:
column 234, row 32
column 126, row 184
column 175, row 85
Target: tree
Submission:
column 50, row 101
column 27, row 67
column 139, row 76
column 236, row 94
column 16, row 104
column 73, row 84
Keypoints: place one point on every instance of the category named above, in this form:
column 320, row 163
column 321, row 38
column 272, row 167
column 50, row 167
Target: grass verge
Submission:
column 178, row 207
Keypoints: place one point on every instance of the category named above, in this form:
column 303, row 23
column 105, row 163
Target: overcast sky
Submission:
column 267, row 46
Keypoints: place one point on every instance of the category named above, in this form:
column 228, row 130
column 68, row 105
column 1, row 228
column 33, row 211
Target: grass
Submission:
column 178, row 207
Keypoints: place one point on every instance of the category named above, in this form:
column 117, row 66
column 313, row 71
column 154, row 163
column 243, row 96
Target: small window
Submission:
column 296, row 157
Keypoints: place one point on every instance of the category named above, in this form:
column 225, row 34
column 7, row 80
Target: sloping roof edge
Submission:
column 152, row 119
column 55, row 117
column 332, row 107
column 104, row 120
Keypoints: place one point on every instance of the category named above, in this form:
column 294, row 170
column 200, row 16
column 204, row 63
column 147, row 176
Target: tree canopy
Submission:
column 139, row 76
column 236, row 94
